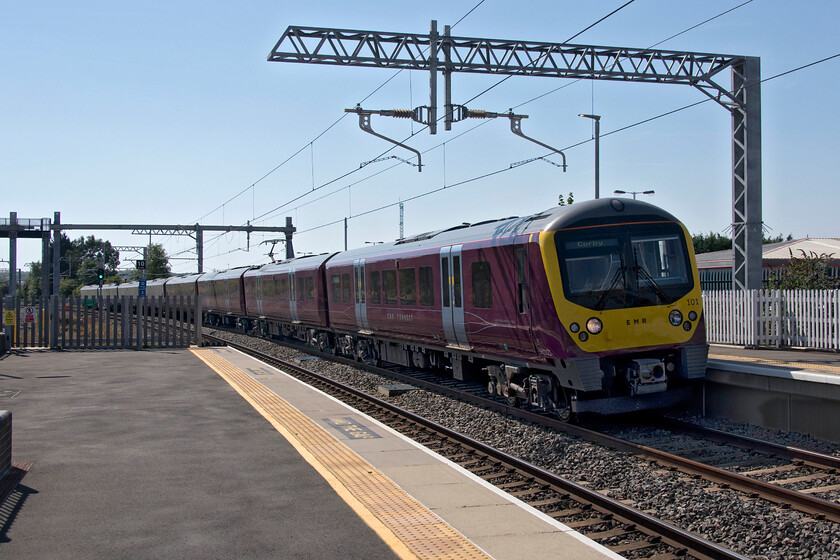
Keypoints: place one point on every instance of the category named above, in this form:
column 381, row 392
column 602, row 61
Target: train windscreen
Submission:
column 627, row 265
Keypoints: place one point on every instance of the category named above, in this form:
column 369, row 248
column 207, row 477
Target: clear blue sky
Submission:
column 160, row 112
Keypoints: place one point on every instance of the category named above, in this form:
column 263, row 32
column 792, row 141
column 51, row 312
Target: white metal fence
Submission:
column 780, row 318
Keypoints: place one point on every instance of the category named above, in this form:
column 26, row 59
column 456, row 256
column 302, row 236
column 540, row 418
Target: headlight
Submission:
column 594, row 325
column 574, row 327
column 692, row 315
column 675, row 317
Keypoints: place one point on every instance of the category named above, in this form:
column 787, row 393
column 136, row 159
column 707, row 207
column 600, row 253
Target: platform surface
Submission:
column 211, row 454
column 807, row 365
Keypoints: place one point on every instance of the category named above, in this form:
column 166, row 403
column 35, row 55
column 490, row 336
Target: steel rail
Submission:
column 770, row 448
column 671, row 534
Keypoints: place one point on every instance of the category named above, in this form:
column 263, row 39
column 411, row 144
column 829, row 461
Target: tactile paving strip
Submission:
column 407, row 526
column 800, row 365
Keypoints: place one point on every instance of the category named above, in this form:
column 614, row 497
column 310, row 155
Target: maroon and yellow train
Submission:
column 593, row 307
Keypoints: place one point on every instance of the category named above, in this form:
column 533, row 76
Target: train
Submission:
column 593, row 307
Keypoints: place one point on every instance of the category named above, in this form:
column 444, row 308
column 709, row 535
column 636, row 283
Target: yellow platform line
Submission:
column 799, row 365
column 405, row 525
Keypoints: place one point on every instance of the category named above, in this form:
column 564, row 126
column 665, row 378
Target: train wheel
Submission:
column 563, row 410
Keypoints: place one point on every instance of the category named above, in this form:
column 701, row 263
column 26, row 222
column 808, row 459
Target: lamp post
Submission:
column 634, row 193
column 597, row 119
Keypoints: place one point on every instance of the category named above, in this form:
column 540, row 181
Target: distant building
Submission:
column 716, row 268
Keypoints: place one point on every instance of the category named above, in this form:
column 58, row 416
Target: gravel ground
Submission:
column 754, row 528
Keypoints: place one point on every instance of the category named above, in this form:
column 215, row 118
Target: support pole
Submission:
column 290, row 250
column 447, row 78
column 13, row 254
column 746, row 176
column 597, row 158
column 45, row 257
column 199, row 247
column 433, row 63
column 56, row 264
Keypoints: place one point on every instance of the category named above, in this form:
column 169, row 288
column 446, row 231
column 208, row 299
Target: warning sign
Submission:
column 28, row 314
column 9, row 318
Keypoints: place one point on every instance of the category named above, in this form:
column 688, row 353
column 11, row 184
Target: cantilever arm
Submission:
column 516, row 128
column 364, row 124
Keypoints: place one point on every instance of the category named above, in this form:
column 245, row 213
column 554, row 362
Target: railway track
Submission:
column 800, row 478
column 621, row 528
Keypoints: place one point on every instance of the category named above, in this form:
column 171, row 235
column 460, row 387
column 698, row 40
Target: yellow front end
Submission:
column 621, row 329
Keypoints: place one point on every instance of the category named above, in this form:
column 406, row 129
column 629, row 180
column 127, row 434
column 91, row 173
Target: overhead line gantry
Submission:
column 445, row 53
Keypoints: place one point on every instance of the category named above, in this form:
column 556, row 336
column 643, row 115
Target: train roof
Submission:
column 552, row 219
column 225, row 274
column 189, row 278
column 307, row 261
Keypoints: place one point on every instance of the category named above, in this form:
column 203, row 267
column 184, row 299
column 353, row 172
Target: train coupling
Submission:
column 646, row 376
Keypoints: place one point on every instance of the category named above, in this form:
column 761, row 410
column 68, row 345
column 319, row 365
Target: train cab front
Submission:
column 627, row 295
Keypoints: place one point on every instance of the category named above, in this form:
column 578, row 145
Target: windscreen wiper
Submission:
column 642, row 271
column 619, row 276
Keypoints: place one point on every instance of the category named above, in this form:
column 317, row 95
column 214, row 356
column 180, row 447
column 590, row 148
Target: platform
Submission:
column 788, row 390
column 207, row 453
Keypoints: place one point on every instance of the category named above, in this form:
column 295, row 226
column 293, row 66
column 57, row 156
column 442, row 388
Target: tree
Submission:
column 157, row 263
column 778, row 239
column 79, row 261
column 808, row 272
column 717, row 242
column 710, row 243
column 567, row 201
column 31, row 287
column 87, row 255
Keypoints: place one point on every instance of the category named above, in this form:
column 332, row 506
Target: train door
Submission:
column 293, row 296
column 258, row 279
column 359, row 294
column 226, row 290
column 522, row 270
column 452, row 285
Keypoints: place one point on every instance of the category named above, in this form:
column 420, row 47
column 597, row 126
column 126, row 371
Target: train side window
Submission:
column 521, row 280
column 359, row 277
column 345, row 287
column 389, row 286
column 456, row 282
column 408, row 287
column 427, row 289
column 444, row 275
column 335, row 282
column 267, row 287
column 310, row 288
column 301, row 293
column 481, row 287
column 374, row 287
column 281, row 287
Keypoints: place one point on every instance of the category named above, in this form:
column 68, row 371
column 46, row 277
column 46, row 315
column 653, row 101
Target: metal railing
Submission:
column 100, row 323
